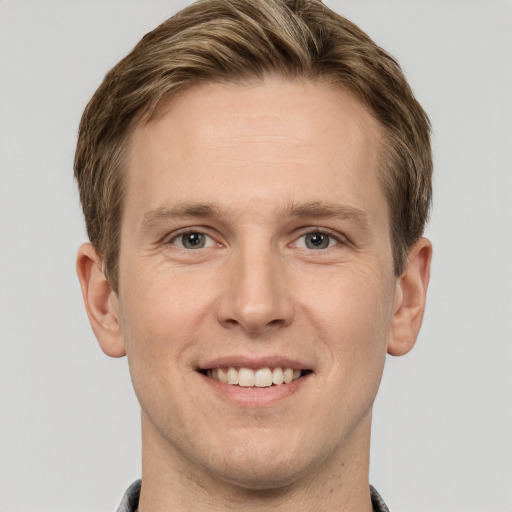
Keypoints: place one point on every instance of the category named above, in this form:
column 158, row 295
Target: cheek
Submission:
column 160, row 303
column 351, row 312
column 164, row 315
column 156, row 339
column 349, row 303
column 153, row 321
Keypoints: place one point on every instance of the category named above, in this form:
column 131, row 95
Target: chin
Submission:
column 264, row 466
column 264, row 477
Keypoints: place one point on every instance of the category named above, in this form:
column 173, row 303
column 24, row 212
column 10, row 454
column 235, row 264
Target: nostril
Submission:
column 256, row 299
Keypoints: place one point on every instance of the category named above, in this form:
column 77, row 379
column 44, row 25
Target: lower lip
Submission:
column 254, row 396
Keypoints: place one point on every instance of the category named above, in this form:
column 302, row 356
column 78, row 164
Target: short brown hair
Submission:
column 232, row 40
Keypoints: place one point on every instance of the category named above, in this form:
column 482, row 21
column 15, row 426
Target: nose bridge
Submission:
column 256, row 297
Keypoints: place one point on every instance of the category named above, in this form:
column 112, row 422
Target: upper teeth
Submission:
column 247, row 377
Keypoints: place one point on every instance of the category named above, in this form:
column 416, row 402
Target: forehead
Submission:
column 279, row 140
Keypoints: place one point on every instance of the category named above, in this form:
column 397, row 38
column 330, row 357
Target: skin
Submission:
column 259, row 170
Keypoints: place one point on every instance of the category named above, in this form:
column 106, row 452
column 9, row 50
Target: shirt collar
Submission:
column 130, row 500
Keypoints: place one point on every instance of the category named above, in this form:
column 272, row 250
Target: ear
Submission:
column 410, row 297
column 100, row 300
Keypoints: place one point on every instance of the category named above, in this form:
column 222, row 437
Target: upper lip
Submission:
column 239, row 361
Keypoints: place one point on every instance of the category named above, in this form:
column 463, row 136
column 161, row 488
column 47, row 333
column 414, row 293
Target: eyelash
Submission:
column 180, row 237
column 336, row 238
column 210, row 241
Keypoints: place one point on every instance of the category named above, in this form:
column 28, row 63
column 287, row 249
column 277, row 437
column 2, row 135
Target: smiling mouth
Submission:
column 259, row 378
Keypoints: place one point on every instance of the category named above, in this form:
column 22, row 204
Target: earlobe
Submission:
column 410, row 297
column 101, row 303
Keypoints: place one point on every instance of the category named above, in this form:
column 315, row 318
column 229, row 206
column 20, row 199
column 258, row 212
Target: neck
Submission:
column 338, row 483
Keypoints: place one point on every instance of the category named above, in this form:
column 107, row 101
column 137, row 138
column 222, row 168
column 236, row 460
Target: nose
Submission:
column 255, row 297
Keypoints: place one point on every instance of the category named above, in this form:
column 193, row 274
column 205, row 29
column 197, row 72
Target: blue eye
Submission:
column 193, row 240
column 316, row 240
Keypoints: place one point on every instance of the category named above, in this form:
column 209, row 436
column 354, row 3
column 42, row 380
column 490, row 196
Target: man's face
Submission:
column 255, row 236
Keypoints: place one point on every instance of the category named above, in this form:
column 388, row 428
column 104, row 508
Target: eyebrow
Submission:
column 322, row 210
column 313, row 210
column 179, row 210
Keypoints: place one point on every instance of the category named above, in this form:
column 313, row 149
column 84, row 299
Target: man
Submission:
column 255, row 178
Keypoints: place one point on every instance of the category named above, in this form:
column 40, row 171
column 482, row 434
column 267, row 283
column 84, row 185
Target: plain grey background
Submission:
column 69, row 423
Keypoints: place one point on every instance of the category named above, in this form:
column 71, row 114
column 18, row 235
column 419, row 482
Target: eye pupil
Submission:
column 193, row 240
column 317, row 241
